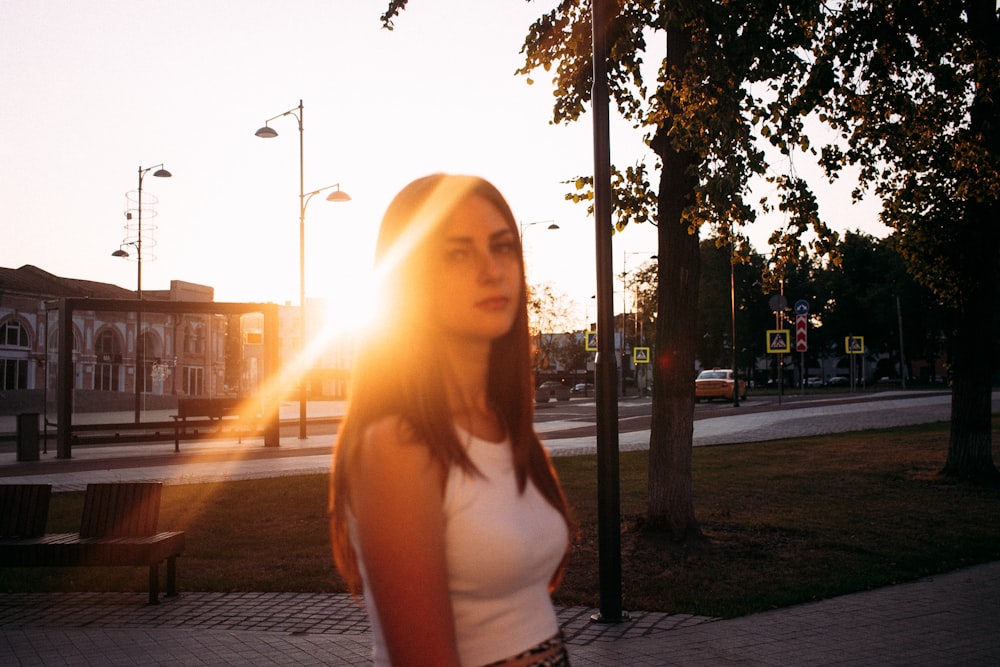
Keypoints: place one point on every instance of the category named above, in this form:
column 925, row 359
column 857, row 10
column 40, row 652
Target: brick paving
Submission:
column 948, row 619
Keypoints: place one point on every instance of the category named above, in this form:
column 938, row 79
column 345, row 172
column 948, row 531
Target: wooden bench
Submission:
column 117, row 528
column 24, row 509
column 212, row 409
column 121, row 432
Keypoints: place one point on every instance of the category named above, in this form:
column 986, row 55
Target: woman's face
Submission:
column 476, row 278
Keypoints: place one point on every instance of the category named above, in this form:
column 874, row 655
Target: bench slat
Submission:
column 69, row 549
column 212, row 407
column 24, row 509
column 121, row 509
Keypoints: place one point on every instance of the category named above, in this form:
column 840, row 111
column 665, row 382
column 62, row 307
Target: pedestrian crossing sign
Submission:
column 591, row 341
column 778, row 341
column 640, row 355
column 854, row 344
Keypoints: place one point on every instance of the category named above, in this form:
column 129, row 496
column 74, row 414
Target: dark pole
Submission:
column 732, row 301
column 140, row 360
column 138, row 312
column 304, row 377
column 608, row 501
column 64, row 383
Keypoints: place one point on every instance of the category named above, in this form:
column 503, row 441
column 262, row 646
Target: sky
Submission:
column 94, row 91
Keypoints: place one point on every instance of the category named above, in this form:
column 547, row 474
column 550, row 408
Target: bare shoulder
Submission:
column 390, row 449
column 390, row 430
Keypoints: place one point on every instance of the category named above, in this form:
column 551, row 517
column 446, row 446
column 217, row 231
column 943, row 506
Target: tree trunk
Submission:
column 671, row 507
column 970, row 448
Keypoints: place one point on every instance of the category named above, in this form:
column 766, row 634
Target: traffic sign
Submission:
column 591, row 345
column 801, row 343
column 801, row 307
column 640, row 355
column 854, row 344
column 778, row 341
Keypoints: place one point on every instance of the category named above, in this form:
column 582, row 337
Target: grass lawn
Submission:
column 784, row 522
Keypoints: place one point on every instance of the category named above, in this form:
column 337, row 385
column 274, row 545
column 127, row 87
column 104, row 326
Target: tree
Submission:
column 914, row 90
column 548, row 313
column 701, row 121
column 572, row 353
column 724, row 273
column 868, row 295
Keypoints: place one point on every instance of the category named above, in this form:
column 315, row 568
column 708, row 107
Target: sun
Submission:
column 346, row 305
column 348, row 310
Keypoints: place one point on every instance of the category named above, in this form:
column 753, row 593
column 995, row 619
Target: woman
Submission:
column 446, row 511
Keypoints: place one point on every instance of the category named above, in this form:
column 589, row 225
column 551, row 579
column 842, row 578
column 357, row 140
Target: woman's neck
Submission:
column 467, row 387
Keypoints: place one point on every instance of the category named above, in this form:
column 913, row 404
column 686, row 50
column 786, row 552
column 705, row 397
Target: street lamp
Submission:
column 267, row 132
column 525, row 225
column 121, row 252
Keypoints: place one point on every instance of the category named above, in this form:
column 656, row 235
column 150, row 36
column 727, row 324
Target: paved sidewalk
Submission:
column 945, row 620
column 948, row 619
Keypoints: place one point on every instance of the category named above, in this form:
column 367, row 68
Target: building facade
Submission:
column 120, row 354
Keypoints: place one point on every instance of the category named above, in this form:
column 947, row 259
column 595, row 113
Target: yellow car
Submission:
column 717, row 383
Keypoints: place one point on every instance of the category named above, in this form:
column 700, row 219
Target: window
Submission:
column 13, row 334
column 194, row 380
column 108, row 359
column 194, row 339
column 13, row 373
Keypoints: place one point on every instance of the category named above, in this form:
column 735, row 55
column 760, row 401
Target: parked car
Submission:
column 551, row 389
column 838, row 381
column 585, row 388
column 717, row 383
column 814, row 381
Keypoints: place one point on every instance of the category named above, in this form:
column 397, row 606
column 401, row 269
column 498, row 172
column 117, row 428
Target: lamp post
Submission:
column 267, row 132
column 140, row 378
column 732, row 304
column 608, row 483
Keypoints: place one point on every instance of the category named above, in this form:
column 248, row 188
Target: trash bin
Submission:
column 27, row 436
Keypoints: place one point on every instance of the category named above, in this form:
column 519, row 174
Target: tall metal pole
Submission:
column 267, row 132
column 138, row 290
column 608, row 484
column 304, row 376
column 732, row 303
column 140, row 359
column 902, row 356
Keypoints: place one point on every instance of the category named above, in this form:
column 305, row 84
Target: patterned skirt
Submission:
column 549, row 653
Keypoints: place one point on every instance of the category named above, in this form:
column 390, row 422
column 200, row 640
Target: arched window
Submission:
column 107, row 348
column 13, row 334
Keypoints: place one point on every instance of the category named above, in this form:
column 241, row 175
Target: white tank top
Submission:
column 502, row 549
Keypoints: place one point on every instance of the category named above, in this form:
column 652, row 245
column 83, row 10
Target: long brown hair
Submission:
column 397, row 371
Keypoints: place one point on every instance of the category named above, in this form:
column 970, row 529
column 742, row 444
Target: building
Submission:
column 175, row 353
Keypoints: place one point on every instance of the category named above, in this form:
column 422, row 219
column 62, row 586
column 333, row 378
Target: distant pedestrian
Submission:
column 446, row 511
